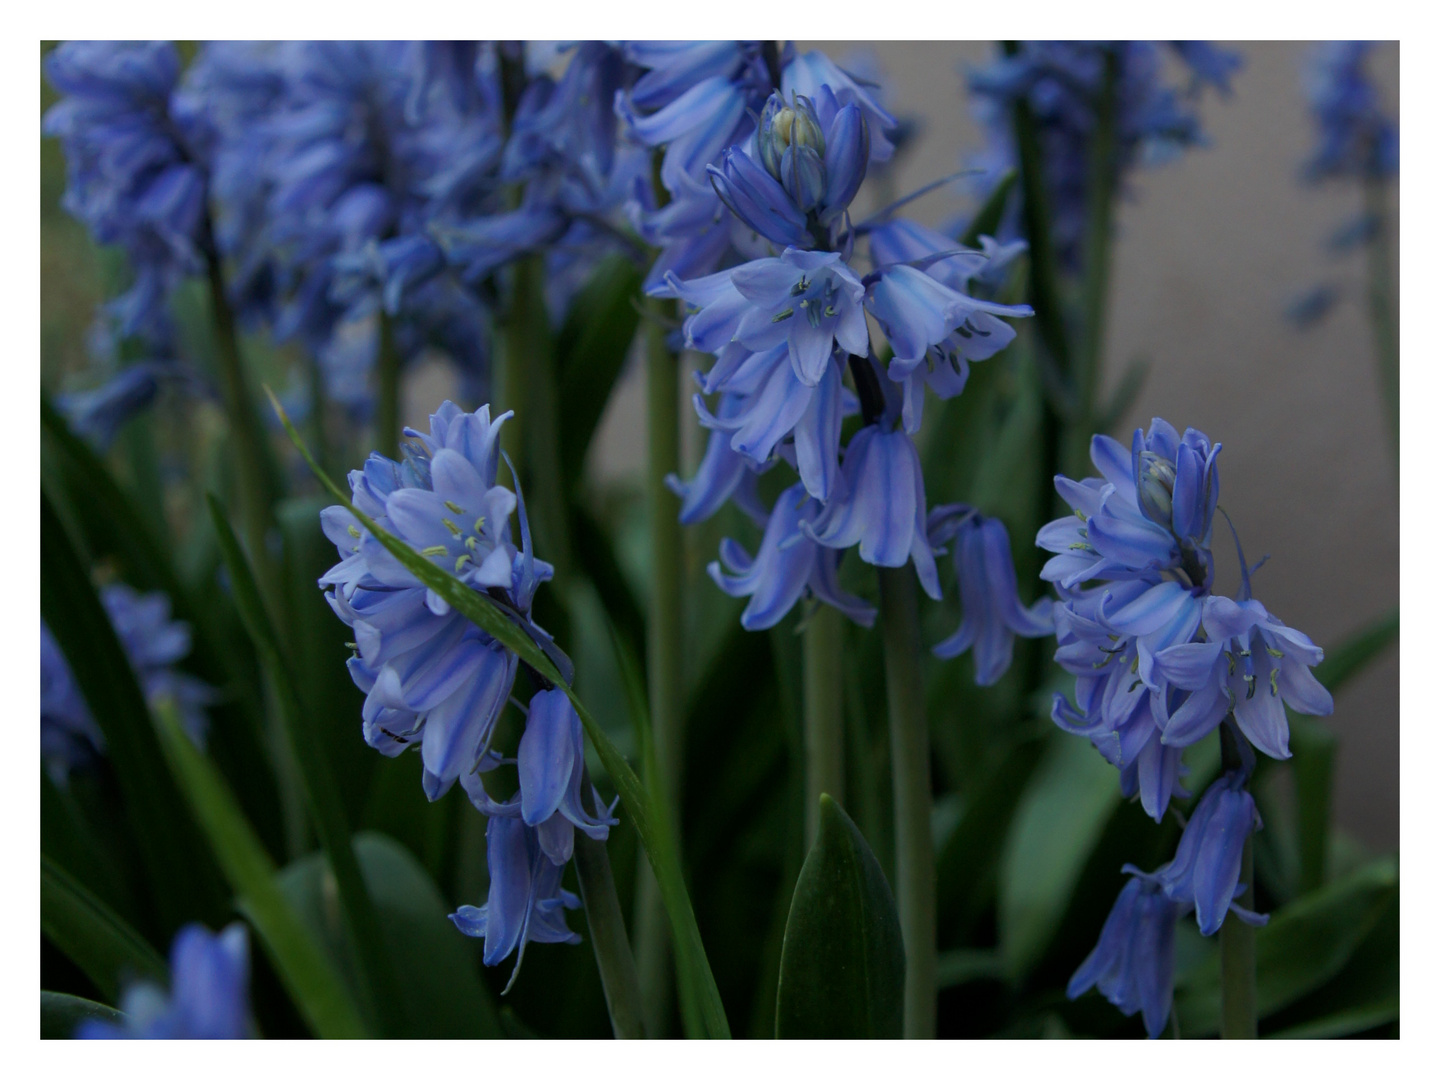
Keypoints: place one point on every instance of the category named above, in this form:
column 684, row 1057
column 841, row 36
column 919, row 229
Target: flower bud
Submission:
column 784, row 126
column 1155, row 487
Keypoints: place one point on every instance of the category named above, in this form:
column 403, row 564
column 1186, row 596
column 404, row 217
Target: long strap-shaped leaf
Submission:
column 307, row 973
column 111, row 524
column 653, row 829
column 184, row 882
column 321, row 792
column 100, row 942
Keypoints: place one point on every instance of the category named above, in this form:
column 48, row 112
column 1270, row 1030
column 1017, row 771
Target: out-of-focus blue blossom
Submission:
column 1356, row 137
column 1206, row 869
column 881, row 506
column 131, row 176
column 154, row 644
column 789, row 564
column 990, row 610
column 431, row 677
column 526, row 902
column 1311, row 306
column 98, row 414
column 1061, row 81
column 208, row 997
column 1133, row 964
column 69, row 736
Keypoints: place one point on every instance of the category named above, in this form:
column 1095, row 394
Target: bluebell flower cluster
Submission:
column 1356, row 137
column 1062, row 81
column 208, row 998
column 132, row 175
column 154, row 644
column 1160, row 662
column 437, row 683
column 764, row 152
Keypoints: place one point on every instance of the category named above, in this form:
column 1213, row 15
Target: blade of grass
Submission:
column 321, row 792
column 102, row 944
column 308, row 975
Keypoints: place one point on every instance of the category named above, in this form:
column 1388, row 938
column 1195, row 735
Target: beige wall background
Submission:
column 1210, row 248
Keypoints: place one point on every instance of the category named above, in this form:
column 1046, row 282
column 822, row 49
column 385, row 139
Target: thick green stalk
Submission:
column 387, row 401
column 910, row 770
column 545, row 495
column 1238, row 1019
column 1095, row 289
column 608, row 939
column 664, row 642
column 1314, row 766
column 252, row 462
column 824, row 715
column 509, row 376
column 1382, row 310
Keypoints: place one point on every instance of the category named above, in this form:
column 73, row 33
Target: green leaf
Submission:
column 312, row 981
column 590, row 353
column 68, row 838
column 1349, row 658
column 654, row 829
column 987, row 218
column 1060, row 818
column 110, row 525
column 100, row 942
column 842, row 966
column 184, row 883
column 1305, row 945
column 960, row 966
column 438, row 994
column 61, row 1014
column 375, row 982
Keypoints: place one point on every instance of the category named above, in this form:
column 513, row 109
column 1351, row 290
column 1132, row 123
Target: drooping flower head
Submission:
column 1159, row 660
column 208, row 997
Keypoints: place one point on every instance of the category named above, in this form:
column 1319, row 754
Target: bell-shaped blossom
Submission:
column 788, row 565
column 990, row 610
column 1113, row 707
column 815, row 76
column 431, row 677
column 208, row 996
column 551, row 764
column 934, row 330
column 767, row 404
column 1206, row 869
column 69, row 736
column 723, row 473
column 1133, row 963
column 882, row 505
column 1251, row 664
column 526, row 902
column 808, row 301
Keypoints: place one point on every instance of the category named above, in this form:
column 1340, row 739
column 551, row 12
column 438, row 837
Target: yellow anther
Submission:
column 453, row 508
column 437, row 549
column 454, row 529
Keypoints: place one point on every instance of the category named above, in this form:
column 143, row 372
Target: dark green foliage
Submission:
column 842, row 968
column 61, row 1014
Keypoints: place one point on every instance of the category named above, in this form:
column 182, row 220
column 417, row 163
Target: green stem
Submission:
column 1099, row 218
column 608, row 939
column 1382, row 310
column 910, row 765
column 1238, row 1019
column 664, row 630
column 824, row 714
column 545, row 496
column 252, row 461
column 1314, row 765
column 508, row 391
column 387, row 402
